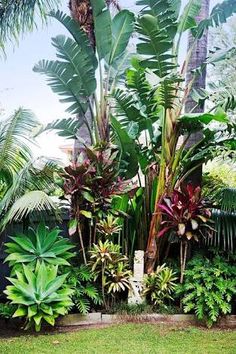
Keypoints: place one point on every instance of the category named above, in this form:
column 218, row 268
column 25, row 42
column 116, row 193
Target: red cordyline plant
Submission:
column 90, row 185
column 185, row 216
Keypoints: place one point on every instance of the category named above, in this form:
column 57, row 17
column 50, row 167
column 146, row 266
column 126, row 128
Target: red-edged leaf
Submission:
column 163, row 231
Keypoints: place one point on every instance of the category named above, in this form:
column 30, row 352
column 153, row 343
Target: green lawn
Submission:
column 130, row 338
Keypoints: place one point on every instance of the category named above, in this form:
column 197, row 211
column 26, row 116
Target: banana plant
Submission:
column 84, row 78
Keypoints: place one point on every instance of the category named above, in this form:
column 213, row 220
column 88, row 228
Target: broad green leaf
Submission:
column 127, row 147
column 72, row 226
column 102, row 27
column 69, row 51
column 24, row 243
column 122, row 28
column 32, row 310
column 55, row 284
column 88, row 196
column 21, row 311
column 86, row 213
column 205, row 118
column 79, row 35
column 187, row 18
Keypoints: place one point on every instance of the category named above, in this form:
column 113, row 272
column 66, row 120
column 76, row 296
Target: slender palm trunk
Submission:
column 199, row 55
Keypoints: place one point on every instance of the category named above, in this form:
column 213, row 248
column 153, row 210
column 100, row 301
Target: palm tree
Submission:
column 24, row 180
column 198, row 57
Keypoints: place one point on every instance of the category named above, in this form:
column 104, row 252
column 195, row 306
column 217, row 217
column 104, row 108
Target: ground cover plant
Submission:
column 209, row 288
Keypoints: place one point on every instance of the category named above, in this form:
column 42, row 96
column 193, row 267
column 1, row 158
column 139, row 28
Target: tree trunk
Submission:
column 198, row 57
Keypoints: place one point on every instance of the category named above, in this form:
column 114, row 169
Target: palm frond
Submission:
column 224, row 236
column 18, row 17
column 229, row 200
column 31, row 201
column 15, row 137
column 37, row 174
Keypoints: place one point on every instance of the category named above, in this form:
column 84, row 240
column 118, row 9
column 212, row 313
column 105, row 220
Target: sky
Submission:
column 20, row 86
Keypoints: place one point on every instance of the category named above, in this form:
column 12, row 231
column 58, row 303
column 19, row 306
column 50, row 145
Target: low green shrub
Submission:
column 208, row 288
column 41, row 295
column 7, row 310
column 159, row 286
column 85, row 294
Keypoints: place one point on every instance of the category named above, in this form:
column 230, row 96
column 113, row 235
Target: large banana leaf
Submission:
column 187, row 18
column 102, row 26
column 122, row 28
column 127, row 147
column 70, row 52
column 66, row 127
column 79, row 36
column 62, row 81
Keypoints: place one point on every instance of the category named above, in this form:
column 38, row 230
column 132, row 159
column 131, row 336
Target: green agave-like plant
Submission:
column 42, row 245
column 40, row 295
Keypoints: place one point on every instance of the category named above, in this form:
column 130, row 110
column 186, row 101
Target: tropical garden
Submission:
column 151, row 100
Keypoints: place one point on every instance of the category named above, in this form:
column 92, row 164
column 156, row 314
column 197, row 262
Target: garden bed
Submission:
column 104, row 319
